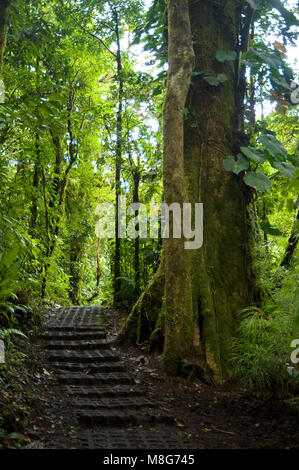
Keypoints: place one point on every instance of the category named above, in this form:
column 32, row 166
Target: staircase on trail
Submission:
column 112, row 410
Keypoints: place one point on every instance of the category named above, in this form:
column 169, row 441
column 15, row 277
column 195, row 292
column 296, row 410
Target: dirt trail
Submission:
column 94, row 395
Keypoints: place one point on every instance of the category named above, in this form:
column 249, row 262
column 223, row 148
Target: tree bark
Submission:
column 222, row 281
column 178, row 299
column 137, row 239
column 4, row 4
column 75, row 271
column 35, row 186
column 205, row 289
column 146, row 321
column 118, row 161
column 292, row 244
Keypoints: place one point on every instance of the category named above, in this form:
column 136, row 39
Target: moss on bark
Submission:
column 4, row 4
column 207, row 288
column 144, row 318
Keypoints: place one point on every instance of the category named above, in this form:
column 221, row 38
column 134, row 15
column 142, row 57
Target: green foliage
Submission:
column 236, row 165
column 222, row 55
column 59, row 130
column 257, row 180
column 261, row 354
column 9, row 269
column 270, row 151
column 254, row 154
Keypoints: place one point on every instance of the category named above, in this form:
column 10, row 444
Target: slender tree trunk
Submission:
column 292, row 244
column 118, row 162
column 4, row 4
column 137, row 240
column 99, row 270
column 99, row 273
column 252, row 93
column 35, row 186
column 57, row 169
column 75, row 271
column 146, row 321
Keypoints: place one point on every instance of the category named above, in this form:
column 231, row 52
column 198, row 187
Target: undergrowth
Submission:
column 262, row 351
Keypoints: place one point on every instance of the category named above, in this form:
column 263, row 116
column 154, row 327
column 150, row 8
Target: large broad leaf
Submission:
column 222, row 55
column 215, row 80
column 9, row 257
column 274, row 147
column 236, row 165
column 255, row 4
column 271, row 58
column 257, row 180
column 254, row 154
column 282, row 82
column 286, row 169
column 269, row 229
column 294, row 159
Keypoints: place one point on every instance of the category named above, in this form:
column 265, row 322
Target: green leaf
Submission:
column 222, row 55
column 255, row 4
column 215, row 80
column 269, row 229
column 236, row 165
column 197, row 74
column 273, row 146
column 282, row 82
column 272, row 58
column 257, row 180
column 10, row 256
column 286, row 169
column 291, row 206
column 254, row 154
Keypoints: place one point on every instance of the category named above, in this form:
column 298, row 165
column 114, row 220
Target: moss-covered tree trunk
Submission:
column 292, row 244
column 75, row 270
column 118, row 164
column 178, row 299
column 4, row 4
column 205, row 289
column 221, row 269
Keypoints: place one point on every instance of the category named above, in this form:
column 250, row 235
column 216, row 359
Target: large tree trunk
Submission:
column 221, row 277
column 178, row 298
column 205, row 289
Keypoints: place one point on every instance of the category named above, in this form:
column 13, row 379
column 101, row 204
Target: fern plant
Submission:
column 6, row 336
column 261, row 352
column 9, row 269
